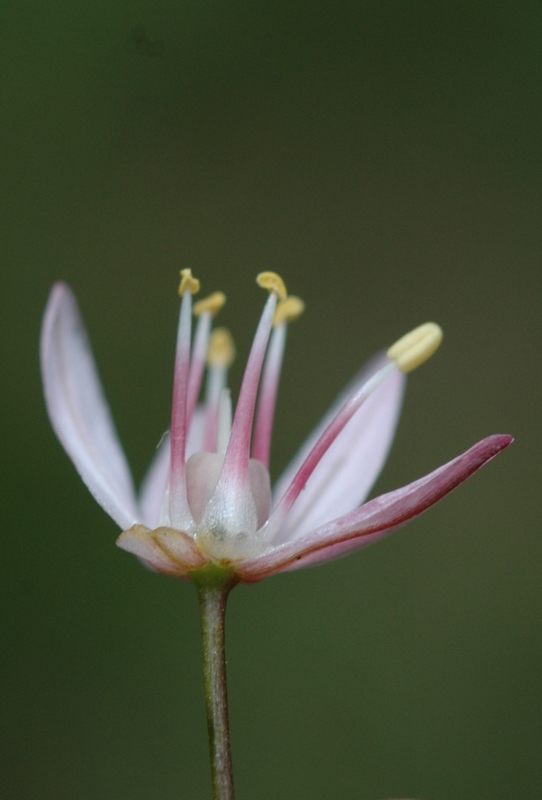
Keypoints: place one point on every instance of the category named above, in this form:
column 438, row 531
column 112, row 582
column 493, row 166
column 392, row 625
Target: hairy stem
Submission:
column 213, row 609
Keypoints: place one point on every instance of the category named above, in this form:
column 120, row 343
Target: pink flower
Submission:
column 207, row 497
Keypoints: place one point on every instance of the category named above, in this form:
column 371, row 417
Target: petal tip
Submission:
column 500, row 441
column 59, row 290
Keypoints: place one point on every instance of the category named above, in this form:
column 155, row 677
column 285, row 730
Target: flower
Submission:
column 207, row 497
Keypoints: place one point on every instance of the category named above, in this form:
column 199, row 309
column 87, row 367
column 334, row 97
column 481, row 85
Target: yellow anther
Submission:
column 221, row 351
column 416, row 347
column 273, row 283
column 289, row 310
column 213, row 304
column 188, row 283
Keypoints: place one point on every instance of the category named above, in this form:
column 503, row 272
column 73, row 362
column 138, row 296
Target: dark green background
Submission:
column 385, row 157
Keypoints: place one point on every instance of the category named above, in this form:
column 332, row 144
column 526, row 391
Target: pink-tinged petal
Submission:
column 153, row 488
column 78, row 409
column 377, row 517
column 347, row 471
column 277, row 519
column 368, row 369
column 164, row 549
column 334, row 551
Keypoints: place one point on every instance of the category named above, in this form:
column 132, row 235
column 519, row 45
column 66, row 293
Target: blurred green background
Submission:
column 385, row 158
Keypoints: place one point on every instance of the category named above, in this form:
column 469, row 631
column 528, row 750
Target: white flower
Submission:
column 207, row 498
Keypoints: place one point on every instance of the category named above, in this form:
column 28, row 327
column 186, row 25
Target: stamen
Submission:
column 416, row 347
column 289, row 310
column 197, row 361
column 205, row 310
column 220, row 356
column 213, row 303
column 188, row 283
column 273, row 283
column 237, row 456
column 178, row 505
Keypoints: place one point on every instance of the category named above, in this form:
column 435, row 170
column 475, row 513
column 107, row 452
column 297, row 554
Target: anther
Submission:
column 221, row 351
column 188, row 283
column 288, row 310
column 416, row 347
column 213, row 303
column 273, row 283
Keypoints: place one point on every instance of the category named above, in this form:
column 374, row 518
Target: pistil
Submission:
column 224, row 423
column 233, row 513
column 287, row 311
column 179, row 511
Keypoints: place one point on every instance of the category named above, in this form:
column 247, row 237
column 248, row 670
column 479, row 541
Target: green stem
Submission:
column 213, row 600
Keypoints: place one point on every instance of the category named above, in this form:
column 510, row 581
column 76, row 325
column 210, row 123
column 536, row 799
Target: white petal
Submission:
column 154, row 484
column 78, row 409
column 344, row 477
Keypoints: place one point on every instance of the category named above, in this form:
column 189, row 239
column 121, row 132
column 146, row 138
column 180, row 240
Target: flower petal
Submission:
column 164, row 549
column 349, row 468
column 78, row 409
column 377, row 517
